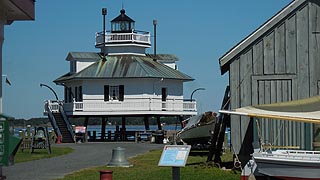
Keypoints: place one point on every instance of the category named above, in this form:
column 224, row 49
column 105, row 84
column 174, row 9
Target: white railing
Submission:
column 134, row 36
column 52, row 106
column 129, row 104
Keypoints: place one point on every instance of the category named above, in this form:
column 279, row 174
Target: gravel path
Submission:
column 85, row 155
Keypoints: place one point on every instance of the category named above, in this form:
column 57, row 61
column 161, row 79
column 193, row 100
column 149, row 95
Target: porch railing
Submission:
column 129, row 104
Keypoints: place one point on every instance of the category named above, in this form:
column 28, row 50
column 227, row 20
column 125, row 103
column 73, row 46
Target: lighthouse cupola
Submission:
column 123, row 38
column 122, row 23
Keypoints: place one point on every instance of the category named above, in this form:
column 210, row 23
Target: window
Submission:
column 78, row 93
column 114, row 93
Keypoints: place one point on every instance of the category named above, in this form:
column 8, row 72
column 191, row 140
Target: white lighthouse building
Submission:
column 121, row 80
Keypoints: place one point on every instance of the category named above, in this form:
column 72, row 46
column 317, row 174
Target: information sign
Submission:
column 174, row 155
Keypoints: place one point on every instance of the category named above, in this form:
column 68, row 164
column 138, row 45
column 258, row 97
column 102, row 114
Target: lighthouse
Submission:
column 123, row 38
column 121, row 80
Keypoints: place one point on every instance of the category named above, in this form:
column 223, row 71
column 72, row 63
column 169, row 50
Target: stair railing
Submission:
column 65, row 119
column 51, row 118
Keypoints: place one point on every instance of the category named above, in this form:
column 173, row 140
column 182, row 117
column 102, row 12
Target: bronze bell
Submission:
column 118, row 158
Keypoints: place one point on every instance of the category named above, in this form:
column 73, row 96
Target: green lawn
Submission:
column 40, row 154
column 145, row 166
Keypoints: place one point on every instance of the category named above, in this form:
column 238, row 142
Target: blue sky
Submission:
column 197, row 32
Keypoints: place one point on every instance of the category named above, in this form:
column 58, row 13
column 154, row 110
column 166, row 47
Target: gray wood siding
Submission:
column 235, row 99
column 281, row 65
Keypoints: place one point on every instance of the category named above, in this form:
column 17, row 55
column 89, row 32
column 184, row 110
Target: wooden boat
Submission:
column 198, row 129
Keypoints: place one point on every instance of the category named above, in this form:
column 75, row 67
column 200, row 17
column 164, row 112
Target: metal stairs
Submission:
column 65, row 133
column 59, row 121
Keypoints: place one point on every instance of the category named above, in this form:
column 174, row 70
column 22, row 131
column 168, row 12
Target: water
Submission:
column 112, row 128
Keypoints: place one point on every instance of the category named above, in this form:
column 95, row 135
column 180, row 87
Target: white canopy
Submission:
column 304, row 110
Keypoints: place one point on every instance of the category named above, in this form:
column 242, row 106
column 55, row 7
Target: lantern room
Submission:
column 122, row 23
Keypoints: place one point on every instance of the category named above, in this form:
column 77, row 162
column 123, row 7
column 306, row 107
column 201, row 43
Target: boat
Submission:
column 288, row 164
column 198, row 129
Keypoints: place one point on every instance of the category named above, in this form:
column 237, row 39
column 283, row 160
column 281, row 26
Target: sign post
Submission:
column 175, row 156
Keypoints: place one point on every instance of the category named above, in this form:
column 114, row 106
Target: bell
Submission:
column 118, row 158
column 40, row 135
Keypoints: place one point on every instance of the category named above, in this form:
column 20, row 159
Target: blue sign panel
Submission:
column 174, row 155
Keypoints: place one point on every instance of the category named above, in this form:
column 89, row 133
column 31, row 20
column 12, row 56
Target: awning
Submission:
column 303, row 110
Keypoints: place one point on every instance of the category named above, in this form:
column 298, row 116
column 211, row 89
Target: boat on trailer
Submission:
column 198, row 129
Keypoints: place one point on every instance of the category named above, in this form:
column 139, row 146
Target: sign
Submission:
column 9, row 144
column 174, row 155
column 80, row 129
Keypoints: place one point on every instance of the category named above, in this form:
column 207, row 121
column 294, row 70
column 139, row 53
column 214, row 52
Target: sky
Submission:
column 197, row 32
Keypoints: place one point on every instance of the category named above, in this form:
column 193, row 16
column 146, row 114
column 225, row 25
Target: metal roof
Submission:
column 126, row 66
column 122, row 17
column 163, row 57
column 83, row 56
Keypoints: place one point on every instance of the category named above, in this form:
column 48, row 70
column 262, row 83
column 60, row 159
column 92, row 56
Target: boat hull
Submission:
column 197, row 135
column 288, row 166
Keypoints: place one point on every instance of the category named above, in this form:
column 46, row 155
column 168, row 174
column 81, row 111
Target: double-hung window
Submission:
column 113, row 93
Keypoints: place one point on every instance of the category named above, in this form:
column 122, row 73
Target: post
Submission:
column 104, row 13
column 155, row 22
column 2, row 22
column 175, row 173
column 103, row 129
column 195, row 91
column 146, row 123
column 123, row 129
column 106, row 175
column 55, row 94
column 159, row 123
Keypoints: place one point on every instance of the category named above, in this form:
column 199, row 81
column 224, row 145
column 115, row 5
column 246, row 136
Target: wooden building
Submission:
column 278, row 62
column 10, row 11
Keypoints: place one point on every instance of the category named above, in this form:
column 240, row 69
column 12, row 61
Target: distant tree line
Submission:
column 44, row 121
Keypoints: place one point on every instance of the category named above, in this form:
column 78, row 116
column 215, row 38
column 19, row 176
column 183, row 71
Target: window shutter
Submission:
column 106, row 93
column 65, row 94
column 76, row 93
column 121, row 92
column 164, row 94
column 69, row 94
column 80, row 93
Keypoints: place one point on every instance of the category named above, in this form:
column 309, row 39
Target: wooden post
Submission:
column 123, row 128
column 86, row 122
column 180, row 120
column 103, row 129
column 146, row 123
column 159, row 123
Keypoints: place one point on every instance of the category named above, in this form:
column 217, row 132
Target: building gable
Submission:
column 282, row 17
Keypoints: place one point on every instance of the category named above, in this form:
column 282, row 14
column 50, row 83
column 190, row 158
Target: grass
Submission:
column 145, row 166
column 40, row 154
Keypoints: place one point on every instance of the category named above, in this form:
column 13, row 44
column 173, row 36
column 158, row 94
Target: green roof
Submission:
column 83, row 56
column 126, row 66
